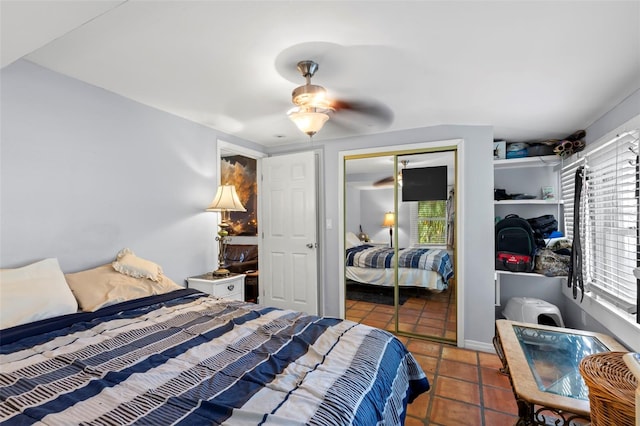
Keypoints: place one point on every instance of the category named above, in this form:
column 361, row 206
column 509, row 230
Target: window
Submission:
column 609, row 213
column 432, row 222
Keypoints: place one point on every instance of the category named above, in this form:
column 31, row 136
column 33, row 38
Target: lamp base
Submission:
column 221, row 272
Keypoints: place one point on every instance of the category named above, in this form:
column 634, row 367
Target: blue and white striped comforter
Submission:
column 366, row 256
column 201, row 360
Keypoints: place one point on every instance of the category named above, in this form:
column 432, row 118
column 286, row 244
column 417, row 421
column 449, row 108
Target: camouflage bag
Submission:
column 551, row 264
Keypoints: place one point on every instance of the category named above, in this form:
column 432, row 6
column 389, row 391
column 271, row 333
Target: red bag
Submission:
column 513, row 262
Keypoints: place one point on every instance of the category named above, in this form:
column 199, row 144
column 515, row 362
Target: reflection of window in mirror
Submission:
column 427, row 189
column 432, row 222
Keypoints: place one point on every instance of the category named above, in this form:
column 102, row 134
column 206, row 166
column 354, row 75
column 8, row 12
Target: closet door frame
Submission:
column 395, row 150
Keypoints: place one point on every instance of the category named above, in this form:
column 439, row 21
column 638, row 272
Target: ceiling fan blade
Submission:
column 374, row 110
column 388, row 181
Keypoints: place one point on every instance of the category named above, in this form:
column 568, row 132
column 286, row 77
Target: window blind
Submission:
column 609, row 216
column 432, row 222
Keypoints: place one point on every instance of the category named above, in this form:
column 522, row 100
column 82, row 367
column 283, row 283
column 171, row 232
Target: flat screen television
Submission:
column 424, row 183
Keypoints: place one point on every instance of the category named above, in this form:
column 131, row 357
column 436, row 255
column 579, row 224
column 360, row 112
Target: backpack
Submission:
column 515, row 245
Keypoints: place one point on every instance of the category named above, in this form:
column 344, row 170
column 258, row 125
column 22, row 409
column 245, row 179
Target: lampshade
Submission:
column 309, row 120
column 226, row 199
column 389, row 219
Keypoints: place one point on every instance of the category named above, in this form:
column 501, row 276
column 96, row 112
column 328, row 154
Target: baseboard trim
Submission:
column 479, row 346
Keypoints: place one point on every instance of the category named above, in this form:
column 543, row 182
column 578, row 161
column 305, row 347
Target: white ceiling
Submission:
column 532, row 69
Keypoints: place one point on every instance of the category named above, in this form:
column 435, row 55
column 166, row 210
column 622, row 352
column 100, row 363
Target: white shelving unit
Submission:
column 519, row 163
column 526, row 176
column 532, row 201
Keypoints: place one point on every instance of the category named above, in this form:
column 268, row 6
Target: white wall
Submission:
column 621, row 113
column 85, row 172
column 374, row 204
column 352, row 219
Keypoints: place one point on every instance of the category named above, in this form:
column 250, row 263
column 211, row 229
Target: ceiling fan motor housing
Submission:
column 308, row 94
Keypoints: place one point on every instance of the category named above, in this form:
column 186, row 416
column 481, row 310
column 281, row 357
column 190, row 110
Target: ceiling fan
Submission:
column 390, row 180
column 313, row 107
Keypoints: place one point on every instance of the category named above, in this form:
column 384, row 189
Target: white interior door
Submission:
column 289, row 260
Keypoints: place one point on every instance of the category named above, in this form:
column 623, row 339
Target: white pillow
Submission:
column 34, row 292
column 352, row 240
column 129, row 264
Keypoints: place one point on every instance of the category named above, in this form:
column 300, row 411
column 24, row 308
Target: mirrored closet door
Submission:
column 399, row 242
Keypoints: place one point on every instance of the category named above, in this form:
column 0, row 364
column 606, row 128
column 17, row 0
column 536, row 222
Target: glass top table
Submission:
column 543, row 367
column 554, row 358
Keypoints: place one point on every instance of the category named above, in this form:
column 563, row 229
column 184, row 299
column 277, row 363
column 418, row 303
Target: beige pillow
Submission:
column 34, row 292
column 129, row 264
column 103, row 286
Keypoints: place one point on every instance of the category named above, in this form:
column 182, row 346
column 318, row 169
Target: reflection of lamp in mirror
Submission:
column 389, row 220
column 225, row 201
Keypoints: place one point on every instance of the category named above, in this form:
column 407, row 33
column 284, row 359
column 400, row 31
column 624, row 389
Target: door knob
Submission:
column 310, row 245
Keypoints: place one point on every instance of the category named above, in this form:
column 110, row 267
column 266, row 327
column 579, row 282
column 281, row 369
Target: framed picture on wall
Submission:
column 240, row 171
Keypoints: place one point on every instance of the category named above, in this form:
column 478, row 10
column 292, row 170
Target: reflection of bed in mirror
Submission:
column 417, row 266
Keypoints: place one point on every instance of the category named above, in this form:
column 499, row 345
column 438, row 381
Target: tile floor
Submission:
column 466, row 386
column 427, row 314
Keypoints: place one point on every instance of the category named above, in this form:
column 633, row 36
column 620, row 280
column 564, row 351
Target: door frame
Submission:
column 229, row 147
column 459, row 223
column 232, row 149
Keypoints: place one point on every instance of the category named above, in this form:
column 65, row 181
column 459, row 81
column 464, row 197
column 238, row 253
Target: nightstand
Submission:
column 251, row 286
column 229, row 287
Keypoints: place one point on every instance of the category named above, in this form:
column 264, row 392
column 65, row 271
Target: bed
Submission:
column 417, row 266
column 183, row 357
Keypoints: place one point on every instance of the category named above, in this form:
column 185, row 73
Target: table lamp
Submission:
column 389, row 220
column 225, row 201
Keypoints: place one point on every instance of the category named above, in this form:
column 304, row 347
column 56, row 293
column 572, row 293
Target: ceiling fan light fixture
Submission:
column 312, row 106
column 309, row 120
